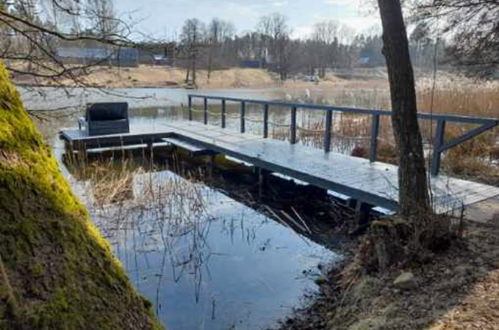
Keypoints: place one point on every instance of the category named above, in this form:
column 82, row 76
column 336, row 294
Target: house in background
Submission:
column 364, row 61
column 125, row 57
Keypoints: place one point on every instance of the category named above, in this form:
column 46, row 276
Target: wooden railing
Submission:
column 439, row 144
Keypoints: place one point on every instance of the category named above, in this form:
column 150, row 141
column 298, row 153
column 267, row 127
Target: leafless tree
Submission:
column 193, row 43
column 472, row 26
column 324, row 38
column 413, row 188
column 276, row 38
column 218, row 32
column 32, row 31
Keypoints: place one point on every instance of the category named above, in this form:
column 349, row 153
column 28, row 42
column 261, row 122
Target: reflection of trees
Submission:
column 163, row 230
column 167, row 214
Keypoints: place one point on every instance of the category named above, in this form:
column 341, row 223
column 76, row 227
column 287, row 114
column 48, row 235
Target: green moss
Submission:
column 61, row 271
column 37, row 269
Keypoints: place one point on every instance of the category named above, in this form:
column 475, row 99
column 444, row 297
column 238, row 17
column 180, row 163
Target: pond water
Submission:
column 203, row 258
column 45, row 98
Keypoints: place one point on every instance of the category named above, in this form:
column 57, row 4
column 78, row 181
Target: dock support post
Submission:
column 211, row 165
column 69, row 151
column 292, row 137
column 150, row 149
column 205, row 110
column 82, row 156
column 262, row 181
column 437, row 144
column 190, row 107
column 373, row 154
column 223, row 113
column 327, row 130
column 243, row 112
column 362, row 211
column 265, row 120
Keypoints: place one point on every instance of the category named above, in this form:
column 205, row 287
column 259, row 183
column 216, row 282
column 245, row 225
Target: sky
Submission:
column 164, row 18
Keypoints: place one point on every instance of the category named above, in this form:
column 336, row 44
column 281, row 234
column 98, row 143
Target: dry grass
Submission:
column 159, row 76
column 477, row 158
column 459, row 95
column 458, row 289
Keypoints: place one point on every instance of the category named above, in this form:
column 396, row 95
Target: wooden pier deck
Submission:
column 374, row 183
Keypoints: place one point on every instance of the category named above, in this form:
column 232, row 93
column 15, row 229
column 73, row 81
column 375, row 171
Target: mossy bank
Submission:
column 56, row 271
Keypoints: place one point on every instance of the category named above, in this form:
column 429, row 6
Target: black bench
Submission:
column 105, row 118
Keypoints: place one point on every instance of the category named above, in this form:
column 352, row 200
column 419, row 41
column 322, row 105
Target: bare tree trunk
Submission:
column 210, row 62
column 187, row 75
column 413, row 190
column 194, row 70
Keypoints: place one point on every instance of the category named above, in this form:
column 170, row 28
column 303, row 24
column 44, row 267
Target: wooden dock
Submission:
column 370, row 182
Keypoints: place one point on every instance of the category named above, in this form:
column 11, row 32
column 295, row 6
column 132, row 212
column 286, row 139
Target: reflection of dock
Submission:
column 370, row 182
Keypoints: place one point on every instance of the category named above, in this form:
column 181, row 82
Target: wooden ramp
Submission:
column 374, row 183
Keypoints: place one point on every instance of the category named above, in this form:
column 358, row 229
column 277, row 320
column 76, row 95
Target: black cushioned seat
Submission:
column 106, row 118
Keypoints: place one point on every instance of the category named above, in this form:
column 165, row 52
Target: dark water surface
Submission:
column 205, row 260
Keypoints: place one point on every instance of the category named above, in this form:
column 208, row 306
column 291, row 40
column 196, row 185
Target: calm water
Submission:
column 204, row 260
column 44, row 98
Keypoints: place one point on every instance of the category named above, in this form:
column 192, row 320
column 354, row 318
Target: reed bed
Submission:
column 477, row 158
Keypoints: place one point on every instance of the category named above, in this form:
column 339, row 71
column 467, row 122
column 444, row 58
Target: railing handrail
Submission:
column 439, row 143
column 367, row 111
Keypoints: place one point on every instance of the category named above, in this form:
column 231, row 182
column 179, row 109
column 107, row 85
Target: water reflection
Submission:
column 204, row 259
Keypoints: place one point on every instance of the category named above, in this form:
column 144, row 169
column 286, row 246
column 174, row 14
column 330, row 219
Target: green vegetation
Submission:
column 56, row 271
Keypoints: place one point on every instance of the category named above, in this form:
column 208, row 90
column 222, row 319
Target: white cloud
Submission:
column 279, row 4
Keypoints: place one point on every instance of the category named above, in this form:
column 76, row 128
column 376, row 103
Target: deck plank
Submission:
column 374, row 183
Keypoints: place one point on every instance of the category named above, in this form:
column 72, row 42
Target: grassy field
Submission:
column 162, row 76
column 159, row 76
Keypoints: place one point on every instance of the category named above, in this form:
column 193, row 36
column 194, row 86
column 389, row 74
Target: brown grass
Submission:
column 476, row 158
column 158, row 76
column 459, row 95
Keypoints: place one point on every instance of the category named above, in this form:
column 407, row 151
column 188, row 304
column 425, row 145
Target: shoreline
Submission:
column 458, row 288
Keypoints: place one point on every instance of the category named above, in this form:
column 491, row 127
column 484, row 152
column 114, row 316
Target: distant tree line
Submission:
column 331, row 45
column 471, row 28
column 32, row 30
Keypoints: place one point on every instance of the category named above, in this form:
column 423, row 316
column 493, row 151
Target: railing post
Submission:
column 223, row 114
column 292, row 137
column 190, row 107
column 373, row 154
column 243, row 111
column 327, row 130
column 205, row 110
column 265, row 120
column 437, row 144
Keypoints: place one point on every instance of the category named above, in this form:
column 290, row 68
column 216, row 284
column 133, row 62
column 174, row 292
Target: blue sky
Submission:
column 164, row 18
